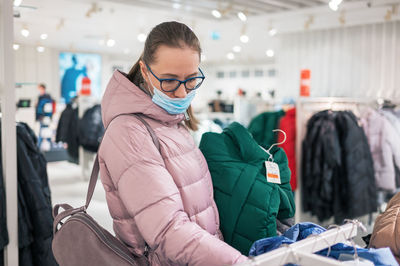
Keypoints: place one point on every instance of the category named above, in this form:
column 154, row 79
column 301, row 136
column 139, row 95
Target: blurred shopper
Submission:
column 45, row 108
column 162, row 204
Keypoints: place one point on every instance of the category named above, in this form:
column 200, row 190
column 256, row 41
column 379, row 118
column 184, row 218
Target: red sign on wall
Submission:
column 305, row 76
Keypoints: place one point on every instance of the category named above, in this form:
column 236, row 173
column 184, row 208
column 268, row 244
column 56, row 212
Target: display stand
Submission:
column 8, row 129
column 302, row 252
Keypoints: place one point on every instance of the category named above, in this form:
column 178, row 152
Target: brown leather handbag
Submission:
column 81, row 241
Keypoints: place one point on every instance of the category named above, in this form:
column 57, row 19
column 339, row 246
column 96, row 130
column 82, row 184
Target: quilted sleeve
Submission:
column 287, row 205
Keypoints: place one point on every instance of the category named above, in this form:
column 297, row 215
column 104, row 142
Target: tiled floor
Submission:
column 68, row 186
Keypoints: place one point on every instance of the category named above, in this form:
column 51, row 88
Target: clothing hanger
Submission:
column 302, row 252
column 271, row 158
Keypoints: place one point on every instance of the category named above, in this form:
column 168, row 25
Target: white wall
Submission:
column 359, row 61
column 32, row 67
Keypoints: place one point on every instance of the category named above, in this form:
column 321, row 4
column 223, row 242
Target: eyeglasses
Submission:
column 171, row 85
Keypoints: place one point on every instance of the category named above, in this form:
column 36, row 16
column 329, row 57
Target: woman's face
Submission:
column 178, row 63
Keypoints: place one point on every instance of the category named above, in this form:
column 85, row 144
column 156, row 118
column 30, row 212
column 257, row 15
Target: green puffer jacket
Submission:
column 248, row 205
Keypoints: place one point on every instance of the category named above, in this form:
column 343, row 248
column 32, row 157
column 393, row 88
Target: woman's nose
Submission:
column 180, row 92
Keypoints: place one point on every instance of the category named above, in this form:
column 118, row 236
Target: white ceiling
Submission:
column 79, row 25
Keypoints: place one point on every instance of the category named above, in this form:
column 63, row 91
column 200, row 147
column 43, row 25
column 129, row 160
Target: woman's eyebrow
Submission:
column 176, row 76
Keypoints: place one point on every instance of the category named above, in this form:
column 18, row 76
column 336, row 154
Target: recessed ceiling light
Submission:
column 237, row 48
column 333, row 6
column 203, row 57
column 142, row 37
column 216, row 13
column 176, row 5
column 272, row 32
column 230, row 56
column 25, row 32
column 110, row 42
column 242, row 16
column 244, row 38
column 40, row 49
column 15, row 46
column 270, row 53
column 17, row 2
column 43, row 36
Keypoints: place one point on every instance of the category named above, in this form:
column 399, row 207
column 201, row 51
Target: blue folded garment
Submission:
column 381, row 256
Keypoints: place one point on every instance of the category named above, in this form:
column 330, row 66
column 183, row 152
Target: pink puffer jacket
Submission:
column 164, row 200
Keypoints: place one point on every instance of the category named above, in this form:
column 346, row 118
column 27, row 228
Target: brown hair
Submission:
column 172, row 34
column 42, row 85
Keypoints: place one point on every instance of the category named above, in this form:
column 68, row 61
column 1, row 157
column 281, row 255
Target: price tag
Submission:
column 273, row 173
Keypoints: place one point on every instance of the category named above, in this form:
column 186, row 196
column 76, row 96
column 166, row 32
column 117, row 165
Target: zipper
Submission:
column 102, row 236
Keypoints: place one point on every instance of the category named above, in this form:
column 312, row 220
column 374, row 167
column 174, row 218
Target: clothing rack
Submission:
column 9, row 136
column 305, row 108
column 301, row 252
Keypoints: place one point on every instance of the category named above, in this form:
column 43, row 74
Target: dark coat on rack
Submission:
column 34, row 204
column 91, row 129
column 34, row 187
column 67, row 131
column 337, row 168
column 63, row 124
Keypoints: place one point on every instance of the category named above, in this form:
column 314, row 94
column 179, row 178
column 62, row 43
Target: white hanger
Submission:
column 271, row 158
column 301, row 252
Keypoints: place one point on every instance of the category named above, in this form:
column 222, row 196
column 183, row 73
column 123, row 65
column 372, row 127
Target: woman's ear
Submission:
column 143, row 69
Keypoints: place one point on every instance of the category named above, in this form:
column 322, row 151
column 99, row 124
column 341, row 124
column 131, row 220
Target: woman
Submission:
column 163, row 201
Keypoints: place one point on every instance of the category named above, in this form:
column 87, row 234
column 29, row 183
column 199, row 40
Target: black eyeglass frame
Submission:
column 180, row 81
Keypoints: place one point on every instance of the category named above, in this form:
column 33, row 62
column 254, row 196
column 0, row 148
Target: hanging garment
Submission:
column 63, row 124
column 385, row 148
column 248, row 205
column 33, row 182
column 393, row 119
column 321, row 161
column 67, row 131
column 386, row 231
column 288, row 125
column 382, row 256
column 262, row 125
column 395, row 122
column 91, row 129
column 164, row 200
column 35, row 229
column 337, row 168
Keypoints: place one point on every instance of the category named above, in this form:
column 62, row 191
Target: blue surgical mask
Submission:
column 172, row 105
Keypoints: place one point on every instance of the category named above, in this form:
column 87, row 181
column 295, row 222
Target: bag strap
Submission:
column 96, row 166
column 68, row 209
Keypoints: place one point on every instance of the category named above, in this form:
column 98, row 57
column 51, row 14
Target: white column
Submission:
column 8, row 129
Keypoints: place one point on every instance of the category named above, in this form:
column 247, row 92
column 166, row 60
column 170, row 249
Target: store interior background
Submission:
column 353, row 52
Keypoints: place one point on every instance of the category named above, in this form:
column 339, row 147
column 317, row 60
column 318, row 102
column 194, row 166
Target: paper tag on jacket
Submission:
column 273, row 174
